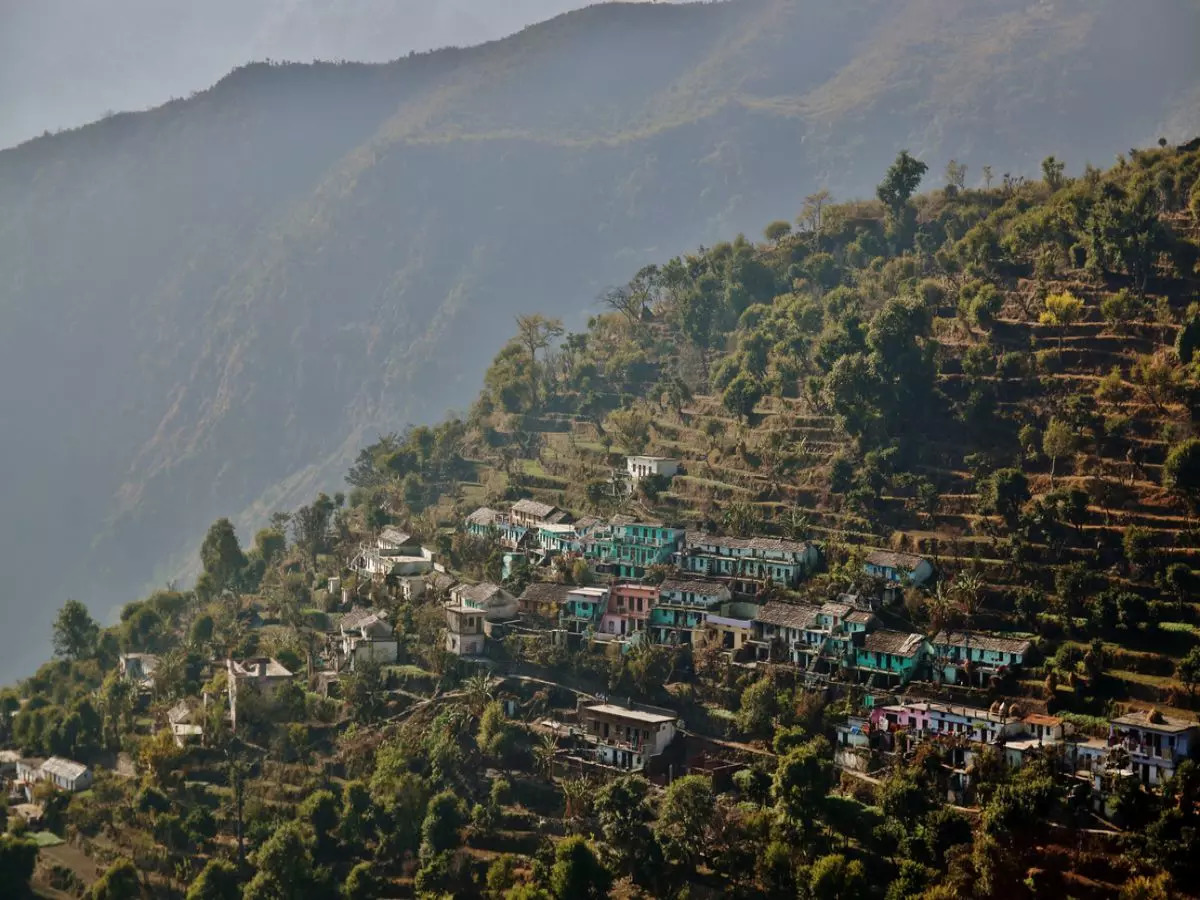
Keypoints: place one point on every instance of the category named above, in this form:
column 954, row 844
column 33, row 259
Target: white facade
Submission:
column 640, row 467
column 464, row 631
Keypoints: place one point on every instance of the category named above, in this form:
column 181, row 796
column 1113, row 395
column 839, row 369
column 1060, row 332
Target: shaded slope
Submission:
column 211, row 305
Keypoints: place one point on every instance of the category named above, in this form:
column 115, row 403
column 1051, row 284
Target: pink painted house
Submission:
column 628, row 608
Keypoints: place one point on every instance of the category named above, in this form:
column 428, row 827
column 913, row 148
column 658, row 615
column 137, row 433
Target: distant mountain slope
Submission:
column 63, row 62
column 208, row 307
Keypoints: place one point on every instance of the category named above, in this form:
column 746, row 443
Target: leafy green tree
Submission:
column 777, row 231
column 895, row 192
column 623, row 812
column 834, row 877
column 683, row 819
column 756, row 714
column 310, row 526
column 1177, row 581
column 1181, row 471
column 319, row 812
column 1057, row 441
column 1062, row 310
column 221, row 555
column 119, row 882
column 444, row 817
column 1005, row 492
column 361, row 883
column 742, row 395
column 803, row 778
column 1187, row 670
column 1052, row 172
column 285, row 867
column 75, row 632
column 18, row 858
column 578, row 873
column 217, row 881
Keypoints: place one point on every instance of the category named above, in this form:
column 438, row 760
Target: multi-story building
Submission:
column 532, row 514
column 1155, row 743
column 582, row 610
column 628, row 609
column 748, row 563
column 491, row 525
column 260, row 674
column 626, row 736
column 971, row 656
column 682, row 609
column 395, row 553
column 464, row 630
column 497, row 604
column 626, row 549
column 898, row 568
column 364, row 635
column 780, row 631
column 890, row 657
column 731, row 624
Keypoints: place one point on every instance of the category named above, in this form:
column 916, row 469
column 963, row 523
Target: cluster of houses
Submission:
column 1145, row 744
column 717, row 593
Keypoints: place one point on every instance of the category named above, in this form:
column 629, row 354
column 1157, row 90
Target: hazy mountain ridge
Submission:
column 235, row 291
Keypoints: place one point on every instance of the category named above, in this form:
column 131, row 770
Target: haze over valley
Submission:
column 209, row 307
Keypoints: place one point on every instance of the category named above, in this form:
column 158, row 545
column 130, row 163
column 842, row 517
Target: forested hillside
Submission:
column 1003, row 380
column 210, row 306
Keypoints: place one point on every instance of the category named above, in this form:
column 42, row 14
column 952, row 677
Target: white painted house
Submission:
column 640, row 467
column 464, row 630
column 365, row 635
column 261, row 674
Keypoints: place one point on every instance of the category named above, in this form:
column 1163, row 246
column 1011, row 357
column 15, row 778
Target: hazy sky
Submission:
column 66, row 62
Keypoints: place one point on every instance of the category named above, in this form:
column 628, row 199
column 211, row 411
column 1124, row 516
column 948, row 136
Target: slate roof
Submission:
column 696, row 539
column 478, row 593
column 544, row 593
column 991, row 642
column 787, row 615
column 485, row 516
column 861, row 617
column 897, row 643
column 64, row 768
column 703, row 588
column 534, row 508
column 893, row 559
column 395, row 536
column 357, row 616
column 837, row 610
column 248, row 668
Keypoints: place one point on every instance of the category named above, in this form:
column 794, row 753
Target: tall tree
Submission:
column 895, row 192
column 683, row 819
column 535, row 333
column 75, row 632
column 221, row 555
column 217, row 881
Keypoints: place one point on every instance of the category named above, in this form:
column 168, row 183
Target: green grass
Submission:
column 46, row 838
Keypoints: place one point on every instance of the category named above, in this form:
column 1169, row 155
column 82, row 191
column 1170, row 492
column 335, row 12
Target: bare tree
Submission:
column 812, row 216
column 535, row 333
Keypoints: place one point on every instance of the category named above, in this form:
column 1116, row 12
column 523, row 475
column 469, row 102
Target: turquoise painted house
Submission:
column 628, row 549
column 748, row 562
column 683, row 608
column 984, row 655
column 898, row 568
column 491, row 525
column 891, row 657
column 582, row 610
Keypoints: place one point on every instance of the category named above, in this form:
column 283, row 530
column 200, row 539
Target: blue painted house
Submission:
column 898, row 568
column 491, row 525
column 679, row 617
column 626, row 549
column 748, row 562
column 890, row 657
column 960, row 654
column 582, row 610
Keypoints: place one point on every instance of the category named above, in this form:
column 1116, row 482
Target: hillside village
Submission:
column 853, row 563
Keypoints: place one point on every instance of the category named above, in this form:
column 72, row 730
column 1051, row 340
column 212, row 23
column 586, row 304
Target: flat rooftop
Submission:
column 624, row 712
